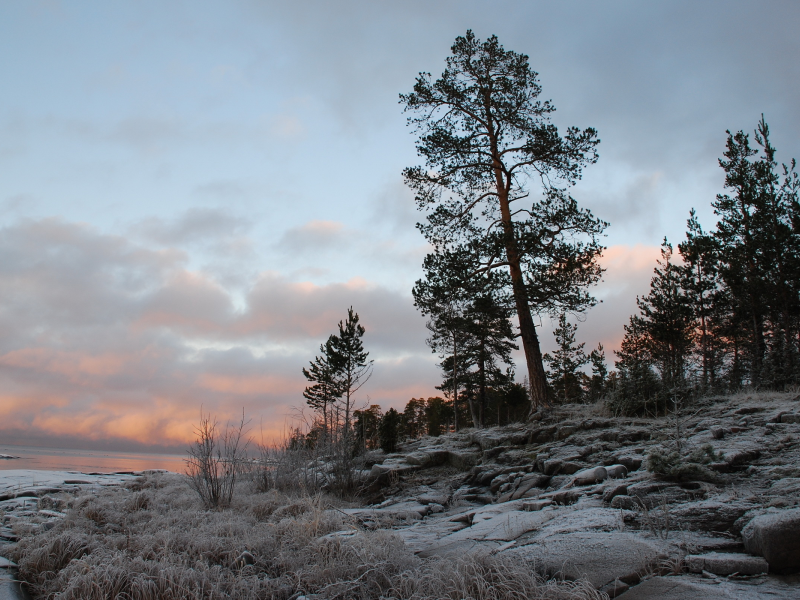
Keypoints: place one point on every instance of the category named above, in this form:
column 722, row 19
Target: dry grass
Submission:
column 155, row 540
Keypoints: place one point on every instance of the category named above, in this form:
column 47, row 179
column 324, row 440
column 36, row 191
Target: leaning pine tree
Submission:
column 484, row 136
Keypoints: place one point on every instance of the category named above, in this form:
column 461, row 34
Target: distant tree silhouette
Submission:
column 389, row 431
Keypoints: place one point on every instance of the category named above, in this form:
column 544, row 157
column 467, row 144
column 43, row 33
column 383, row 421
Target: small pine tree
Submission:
column 668, row 321
column 636, row 383
column 565, row 363
column 596, row 388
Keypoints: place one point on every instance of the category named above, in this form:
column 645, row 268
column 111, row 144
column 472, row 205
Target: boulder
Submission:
column 624, row 502
column 617, row 471
column 534, row 505
column 599, row 557
column 615, row 490
column 462, row 459
column 632, row 463
column 552, row 466
column 528, row 482
column 589, row 476
column 776, row 537
column 568, row 468
column 726, row 563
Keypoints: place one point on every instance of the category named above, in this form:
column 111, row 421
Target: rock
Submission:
column 462, row 459
column 465, row 517
column 498, row 482
column 244, row 559
column 599, row 557
column 565, row 431
column 566, row 497
column 742, row 457
column 615, row 490
column 542, row 436
column 632, row 463
column 534, row 505
column 727, row 563
column 432, row 499
column 617, row 471
column 614, row 588
column 776, row 537
column 528, row 482
column 624, row 502
column 676, row 588
column 589, row 476
column 391, row 468
column 709, row 515
column 776, row 418
column 552, row 466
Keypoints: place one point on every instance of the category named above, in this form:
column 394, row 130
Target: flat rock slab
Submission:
column 727, row 563
column 685, row 587
column 599, row 557
column 27, row 482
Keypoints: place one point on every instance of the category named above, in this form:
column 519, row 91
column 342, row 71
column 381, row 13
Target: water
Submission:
column 87, row 461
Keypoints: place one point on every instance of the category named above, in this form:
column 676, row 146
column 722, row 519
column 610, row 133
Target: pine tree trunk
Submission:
column 455, row 382
column 527, row 329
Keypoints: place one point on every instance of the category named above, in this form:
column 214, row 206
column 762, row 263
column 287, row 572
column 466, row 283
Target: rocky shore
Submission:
column 569, row 494
column 27, row 506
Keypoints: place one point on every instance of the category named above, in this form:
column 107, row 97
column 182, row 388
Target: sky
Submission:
column 193, row 193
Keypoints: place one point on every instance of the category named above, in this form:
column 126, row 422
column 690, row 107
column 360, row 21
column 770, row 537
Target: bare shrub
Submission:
column 301, row 466
column 215, row 461
column 173, row 548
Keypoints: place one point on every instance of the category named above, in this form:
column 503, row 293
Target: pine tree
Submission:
column 488, row 349
column 702, row 288
column 598, row 382
column 759, row 244
column 326, row 388
column 485, row 137
column 667, row 321
column 389, row 431
column 350, row 362
column 566, row 362
column 636, row 383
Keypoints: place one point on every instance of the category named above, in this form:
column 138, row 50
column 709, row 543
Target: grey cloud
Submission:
column 194, row 225
column 313, row 237
column 105, row 340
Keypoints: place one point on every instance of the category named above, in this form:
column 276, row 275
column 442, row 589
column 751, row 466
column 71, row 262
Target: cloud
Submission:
column 628, row 273
column 111, row 342
column 195, row 224
column 314, row 236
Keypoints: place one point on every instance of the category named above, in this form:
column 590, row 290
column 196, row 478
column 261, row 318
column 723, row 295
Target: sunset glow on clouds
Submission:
column 107, row 340
column 192, row 196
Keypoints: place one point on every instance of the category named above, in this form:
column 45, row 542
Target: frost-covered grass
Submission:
column 154, row 540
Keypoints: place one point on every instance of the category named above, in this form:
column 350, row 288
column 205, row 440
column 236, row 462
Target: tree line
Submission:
column 725, row 312
column 510, row 245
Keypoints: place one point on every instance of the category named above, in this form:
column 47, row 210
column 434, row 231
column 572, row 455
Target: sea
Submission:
column 87, row 461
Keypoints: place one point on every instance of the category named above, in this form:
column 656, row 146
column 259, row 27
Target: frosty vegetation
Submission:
column 153, row 540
